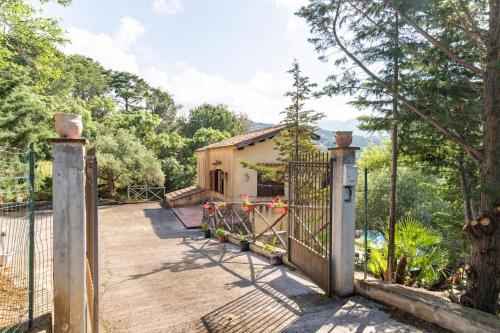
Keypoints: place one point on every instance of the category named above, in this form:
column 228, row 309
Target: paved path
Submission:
column 156, row 276
column 190, row 216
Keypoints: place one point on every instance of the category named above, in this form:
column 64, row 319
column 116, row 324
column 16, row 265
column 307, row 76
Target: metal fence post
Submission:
column 366, row 220
column 31, row 273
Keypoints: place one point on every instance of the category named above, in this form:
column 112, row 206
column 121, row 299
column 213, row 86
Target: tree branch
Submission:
column 475, row 154
column 439, row 45
column 406, row 46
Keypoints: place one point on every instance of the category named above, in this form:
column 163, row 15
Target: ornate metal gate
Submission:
column 309, row 222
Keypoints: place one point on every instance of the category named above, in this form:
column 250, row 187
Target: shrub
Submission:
column 219, row 232
column 420, row 246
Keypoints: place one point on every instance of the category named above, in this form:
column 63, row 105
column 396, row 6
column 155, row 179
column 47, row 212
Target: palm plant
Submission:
column 420, row 246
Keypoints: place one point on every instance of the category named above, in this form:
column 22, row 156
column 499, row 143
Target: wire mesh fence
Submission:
column 25, row 243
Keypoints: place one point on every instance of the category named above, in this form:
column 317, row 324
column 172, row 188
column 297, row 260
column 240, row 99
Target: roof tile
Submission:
column 242, row 139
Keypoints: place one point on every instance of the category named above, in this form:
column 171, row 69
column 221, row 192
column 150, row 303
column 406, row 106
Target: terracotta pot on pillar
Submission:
column 343, row 138
column 68, row 125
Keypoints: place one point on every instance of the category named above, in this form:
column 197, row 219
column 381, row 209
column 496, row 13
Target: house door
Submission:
column 309, row 218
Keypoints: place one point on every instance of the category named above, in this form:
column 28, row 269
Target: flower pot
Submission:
column 222, row 239
column 207, row 233
column 281, row 210
column 244, row 245
column 248, row 208
column 68, row 125
column 343, row 138
column 276, row 259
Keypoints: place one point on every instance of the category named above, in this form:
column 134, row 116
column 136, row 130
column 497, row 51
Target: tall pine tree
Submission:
column 300, row 122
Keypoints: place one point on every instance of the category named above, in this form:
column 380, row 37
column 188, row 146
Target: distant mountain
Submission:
column 342, row 125
column 327, row 139
column 254, row 126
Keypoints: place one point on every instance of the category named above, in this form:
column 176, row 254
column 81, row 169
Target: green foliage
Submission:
column 101, row 107
column 218, row 117
column 205, row 136
column 25, row 117
column 418, row 192
column 271, row 246
column 141, row 123
column 243, row 237
column 377, row 263
column 422, row 248
column 177, row 174
column 219, row 232
column 134, row 127
column 129, row 90
column 123, row 160
column 300, row 123
column 88, row 77
column 205, row 226
column 161, row 104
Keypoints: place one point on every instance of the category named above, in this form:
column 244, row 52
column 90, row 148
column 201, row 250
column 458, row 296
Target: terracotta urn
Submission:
column 343, row 138
column 68, row 125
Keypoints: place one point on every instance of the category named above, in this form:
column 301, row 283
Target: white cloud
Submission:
column 102, row 48
column 168, row 7
column 110, row 50
column 294, row 24
column 261, row 97
column 129, row 31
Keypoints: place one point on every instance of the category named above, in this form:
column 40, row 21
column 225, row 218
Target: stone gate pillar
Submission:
column 68, row 187
column 343, row 219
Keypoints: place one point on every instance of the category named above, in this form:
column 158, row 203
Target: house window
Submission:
column 269, row 188
column 218, row 181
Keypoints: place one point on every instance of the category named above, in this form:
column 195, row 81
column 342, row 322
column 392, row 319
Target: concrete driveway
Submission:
column 157, row 276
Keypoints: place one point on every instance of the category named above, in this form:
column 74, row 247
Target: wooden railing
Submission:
column 235, row 220
column 145, row 192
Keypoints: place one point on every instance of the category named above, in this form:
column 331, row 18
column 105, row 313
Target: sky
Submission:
column 234, row 52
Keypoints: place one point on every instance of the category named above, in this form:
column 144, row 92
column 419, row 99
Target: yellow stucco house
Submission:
column 220, row 175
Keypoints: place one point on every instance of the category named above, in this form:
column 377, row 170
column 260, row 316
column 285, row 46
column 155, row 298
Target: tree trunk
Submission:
column 391, row 260
column 111, row 185
column 401, row 270
column 469, row 214
column 483, row 272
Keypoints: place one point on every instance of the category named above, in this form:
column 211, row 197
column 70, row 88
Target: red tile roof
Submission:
column 245, row 139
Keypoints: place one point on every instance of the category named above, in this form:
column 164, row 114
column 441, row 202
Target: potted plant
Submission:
column 206, row 229
column 276, row 257
column 246, row 204
column 222, row 205
column 209, row 208
column 244, row 243
column 278, row 205
column 221, row 235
